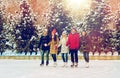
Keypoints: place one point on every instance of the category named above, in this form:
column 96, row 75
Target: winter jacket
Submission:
column 64, row 48
column 54, row 46
column 44, row 40
column 85, row 44
column 73, row 41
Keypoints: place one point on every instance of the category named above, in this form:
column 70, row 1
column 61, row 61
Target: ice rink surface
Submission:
column 32, row 69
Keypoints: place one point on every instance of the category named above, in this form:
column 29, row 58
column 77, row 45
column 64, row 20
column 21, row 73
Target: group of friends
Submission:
column 70, row 43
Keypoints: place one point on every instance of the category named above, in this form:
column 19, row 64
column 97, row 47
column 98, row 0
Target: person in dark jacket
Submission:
column 44, row 40
column 85, row 47
column 73, row 43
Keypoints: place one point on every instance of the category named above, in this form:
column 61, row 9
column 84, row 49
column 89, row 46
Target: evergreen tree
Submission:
column 10, row 32
column 96, row 23
column 25, row 29
column 2, row 24
column 58, row 18
column 99, row 17
column 118, row 29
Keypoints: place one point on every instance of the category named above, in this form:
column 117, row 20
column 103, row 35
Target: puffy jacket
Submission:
column 73, row 41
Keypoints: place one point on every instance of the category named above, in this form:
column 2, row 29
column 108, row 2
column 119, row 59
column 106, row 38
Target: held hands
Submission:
column 45, row 45
column 55, row 47
column 38, row 49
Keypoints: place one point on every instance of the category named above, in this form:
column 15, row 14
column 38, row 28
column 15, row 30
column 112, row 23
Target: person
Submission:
column 44, row 40
column 64, row 48
column 85, row 47
column 54, row 41
column 74, row 44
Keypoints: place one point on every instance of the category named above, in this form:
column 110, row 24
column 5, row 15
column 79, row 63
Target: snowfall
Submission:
column 32, row 69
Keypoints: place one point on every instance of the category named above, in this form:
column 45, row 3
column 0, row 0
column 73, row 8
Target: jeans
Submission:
column 47, row 56
column 74, row 55
column 54, row 57
column 65, row 57
column 86, row 56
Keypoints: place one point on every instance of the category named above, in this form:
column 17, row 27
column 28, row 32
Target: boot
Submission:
column 87, row 65
column 64, row 64
column 55, row 64
column 72, row 65
column 76, row 65
column 42, row 63
column 47, row 63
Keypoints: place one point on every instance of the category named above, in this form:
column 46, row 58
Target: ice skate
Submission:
column 72, row 65
column 55, row 64
column 87, row 65
column 47, row 63
column 76, row 65
column 41, row 64
column 64, row 65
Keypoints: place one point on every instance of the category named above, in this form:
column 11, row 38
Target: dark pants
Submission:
column 74, row 56
column 65, row 57
column 86, row 56
column 42, row 56
column 54, row 57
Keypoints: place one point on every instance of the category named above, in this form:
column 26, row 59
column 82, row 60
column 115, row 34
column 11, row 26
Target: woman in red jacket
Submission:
column 74, row 44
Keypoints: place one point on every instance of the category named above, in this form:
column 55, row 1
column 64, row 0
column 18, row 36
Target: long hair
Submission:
column 55, row 37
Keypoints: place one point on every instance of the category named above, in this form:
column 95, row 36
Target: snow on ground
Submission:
column 31, row 69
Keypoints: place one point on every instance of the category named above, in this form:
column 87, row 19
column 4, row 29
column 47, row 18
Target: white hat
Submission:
column 64, row 32
column 45, row 30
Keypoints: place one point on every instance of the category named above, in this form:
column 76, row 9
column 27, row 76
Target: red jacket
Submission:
column 73, row 41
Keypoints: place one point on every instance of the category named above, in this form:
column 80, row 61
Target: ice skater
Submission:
column 73, row 43
column 64, row 48
column 44, row 40
column 54, row 41
column 85, row 47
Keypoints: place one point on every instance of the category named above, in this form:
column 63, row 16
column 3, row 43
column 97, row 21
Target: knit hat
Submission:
column 64, row 32
column 54, row 31
column 74, row 28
